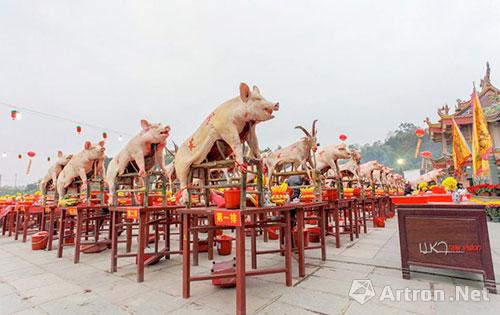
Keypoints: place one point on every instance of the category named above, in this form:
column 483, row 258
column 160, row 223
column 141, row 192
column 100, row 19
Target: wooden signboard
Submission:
column 449, row 236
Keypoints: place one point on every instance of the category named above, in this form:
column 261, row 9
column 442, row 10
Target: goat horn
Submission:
column 314, row 127
column 304, row 130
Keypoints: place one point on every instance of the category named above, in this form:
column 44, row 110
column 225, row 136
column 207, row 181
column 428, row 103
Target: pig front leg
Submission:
column 61, row 185
column 160, row 159
column 83, row 175
column 253, row 143
column 233, row 139
column 138, row 157
column 54, row 179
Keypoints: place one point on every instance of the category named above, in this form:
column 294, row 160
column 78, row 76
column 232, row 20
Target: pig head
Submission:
column 82, row 164
column 141, row 154
column 224, row 131
column 50, row 178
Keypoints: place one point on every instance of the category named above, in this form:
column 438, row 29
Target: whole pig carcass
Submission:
column 298, row 153
column 385, row 177
column 82, row 164
column 141, row 154
column 50, row 179
column 224, row 131
column 427, row 177
column 328, row 157
column 349, row 170
column 367, row 169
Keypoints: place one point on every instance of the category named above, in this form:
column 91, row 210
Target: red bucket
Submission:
column 39, row 240
column 232, row 198
column 306, row 237
column 314, row 234
column 273, row 233
column 330, row 194
column 69, row 238
column 203, row 246
column 379, row 222
column 224, row 244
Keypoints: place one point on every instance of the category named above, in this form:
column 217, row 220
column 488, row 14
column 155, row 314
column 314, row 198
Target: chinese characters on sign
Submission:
column 227, row 217
column 132, row 213
column 72, row 211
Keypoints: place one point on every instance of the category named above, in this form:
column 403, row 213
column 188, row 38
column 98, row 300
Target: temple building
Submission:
column 440, row 132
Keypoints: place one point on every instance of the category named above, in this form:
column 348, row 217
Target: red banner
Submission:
column 227, row 217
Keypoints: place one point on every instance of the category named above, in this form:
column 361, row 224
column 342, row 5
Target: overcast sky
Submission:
column 360, row 67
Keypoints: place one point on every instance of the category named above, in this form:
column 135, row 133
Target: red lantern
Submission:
column 31, row 155
column 13, row 114
column 419, row 133
column 104, row 135
column 426, row 154
column 343, row 137
column 78, row 129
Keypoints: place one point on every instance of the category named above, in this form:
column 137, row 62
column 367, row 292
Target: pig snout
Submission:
column 165, row 130
column 277, row 106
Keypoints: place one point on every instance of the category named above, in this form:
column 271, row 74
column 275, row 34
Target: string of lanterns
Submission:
column 15, row 114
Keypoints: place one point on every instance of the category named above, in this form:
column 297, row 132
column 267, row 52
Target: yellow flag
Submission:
column 460, row 148
column 481, row 139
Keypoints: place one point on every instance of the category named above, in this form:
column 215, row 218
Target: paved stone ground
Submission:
column 36, row 282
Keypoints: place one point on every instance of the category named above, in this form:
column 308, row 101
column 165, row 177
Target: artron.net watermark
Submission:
column 362, row 291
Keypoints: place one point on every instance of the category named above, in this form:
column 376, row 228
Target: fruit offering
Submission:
column 69, row 200
column 348, row 192
column 279, row 194
column 307, row 194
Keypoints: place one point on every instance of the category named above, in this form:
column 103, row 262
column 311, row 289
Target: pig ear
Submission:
column 101, row 143
column 256, row 89
column 145, row 124
column 88, row 145
column 60, row 154
column 244, row 92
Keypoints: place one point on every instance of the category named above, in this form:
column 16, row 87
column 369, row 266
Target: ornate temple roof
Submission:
column 489, row 97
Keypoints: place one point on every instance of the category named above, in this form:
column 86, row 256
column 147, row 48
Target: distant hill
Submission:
column 399, row 144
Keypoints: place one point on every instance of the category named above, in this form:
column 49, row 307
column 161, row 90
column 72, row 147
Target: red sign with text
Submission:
column 132, row 213
column 227, row 217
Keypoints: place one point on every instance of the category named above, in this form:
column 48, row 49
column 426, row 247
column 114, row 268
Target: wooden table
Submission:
column 448, row 236
column 53, row 212
column 319, row 209
column 29, row 213
column 282, row 219
column 84, row 214
column 144, row 217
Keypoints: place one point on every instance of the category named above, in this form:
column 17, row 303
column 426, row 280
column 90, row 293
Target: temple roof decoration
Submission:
column 440, row 131
column 489, row 96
